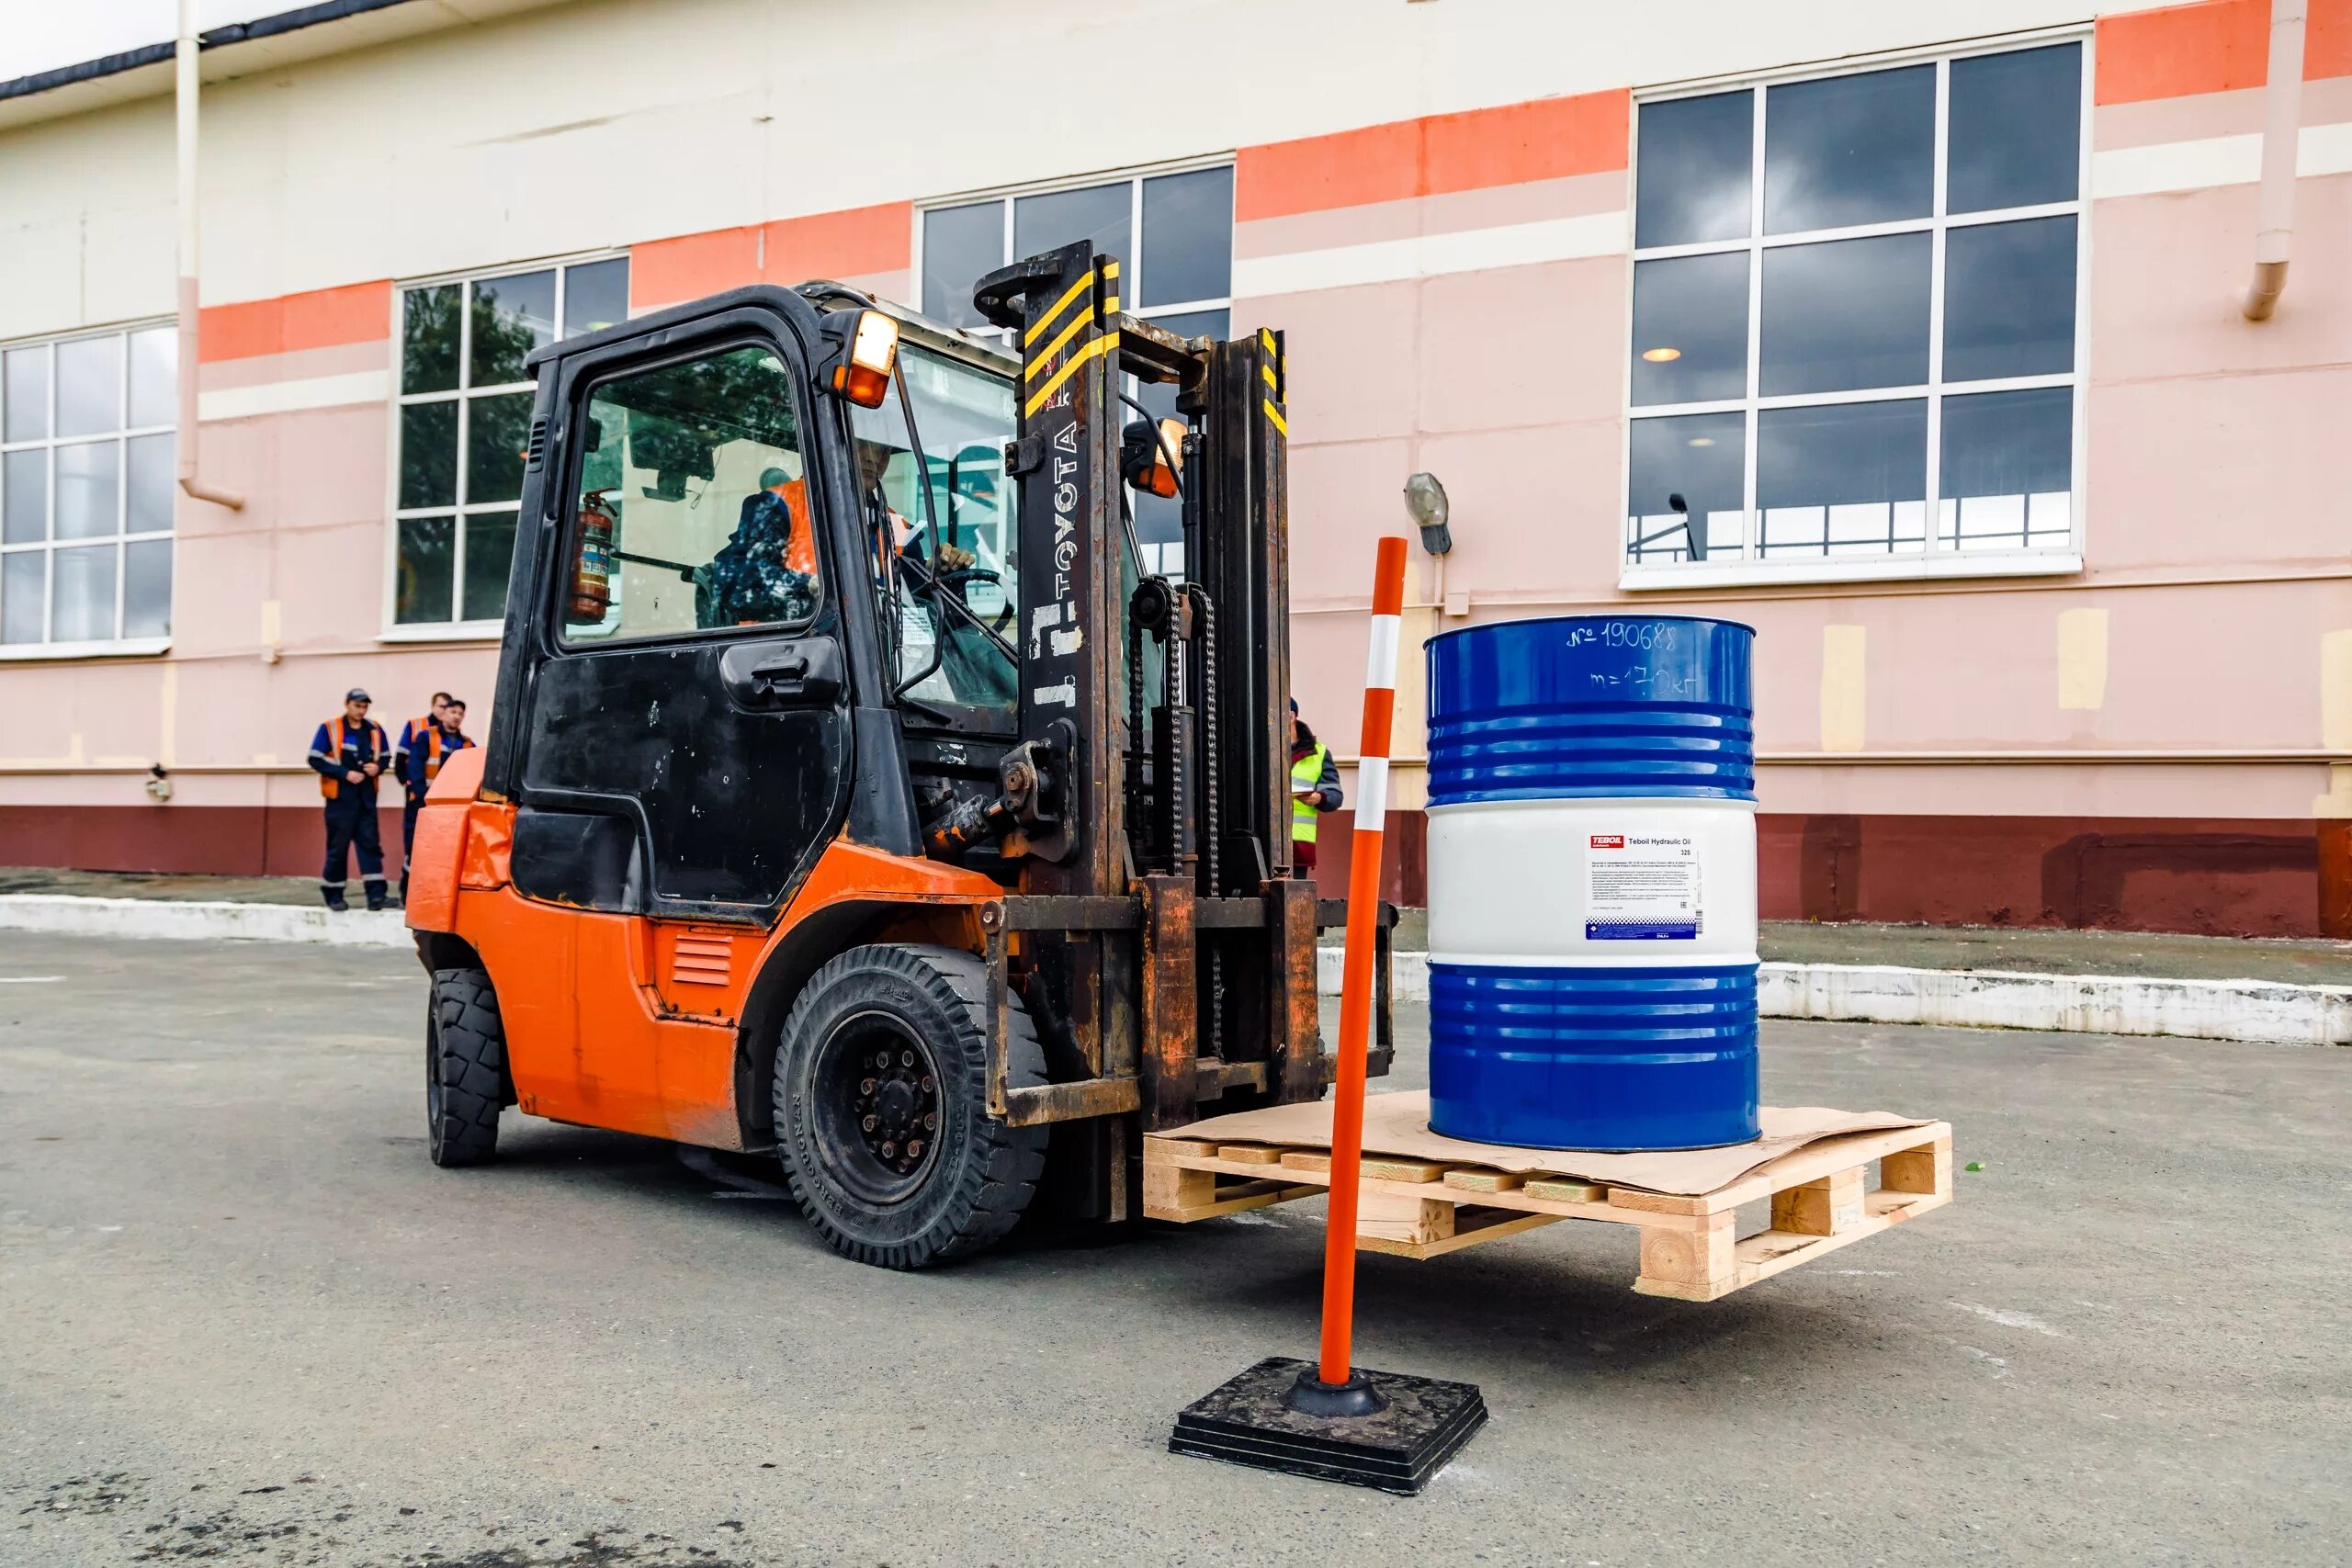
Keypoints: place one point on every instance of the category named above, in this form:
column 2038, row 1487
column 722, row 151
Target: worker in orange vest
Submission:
column 424, row 741
column 349, row 753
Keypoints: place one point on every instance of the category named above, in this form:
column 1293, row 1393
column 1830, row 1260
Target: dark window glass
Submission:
column 2017, row 123
column 1848, row 150
column 1703, row 457
column 89, row 490
column 1187, row 237
column 426, row 569
column 596, row 296
column 26, row 393
column 429, row 338
column 499, row 430
column 24, row 589
column 89, row 387
column 429, row 454
column 81, row 599
column 147, row 588
column 1848, row 314
column 2008, row 464
column 154, row 359
column 489, row 550
column 24, row 496
column 1690, row 329
column 1697, row 169
column 2009, row 299
column 151, row 485
column 1097, row 214
column 512, row 316
column 1845, row 479
column 960, row 246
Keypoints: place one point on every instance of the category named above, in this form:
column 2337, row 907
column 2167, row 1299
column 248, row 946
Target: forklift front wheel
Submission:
column 465, row 1067
column 881, row 1095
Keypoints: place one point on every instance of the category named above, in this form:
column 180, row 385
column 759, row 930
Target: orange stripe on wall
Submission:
column 850, row 243
column 322, row 317
column 667, row 272
column 1549, row 139
column 2212, row 45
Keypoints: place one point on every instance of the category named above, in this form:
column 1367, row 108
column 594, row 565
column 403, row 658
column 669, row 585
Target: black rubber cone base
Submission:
column 1396, row 1448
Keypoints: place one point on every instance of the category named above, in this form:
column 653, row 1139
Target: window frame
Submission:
column 1935, row 560
column 122, row 434
column 561, row 642
column 462, row 394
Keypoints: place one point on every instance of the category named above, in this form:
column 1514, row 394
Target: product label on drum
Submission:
column 1642, row 887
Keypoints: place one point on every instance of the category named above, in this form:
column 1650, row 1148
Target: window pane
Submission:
column 1187, row 237
column 24, row 497
column 2009, row 465
column 1697, row 169
column 960, row 246
column 2009, row 299
column 154, row 360
column 512, row 316
column 1099, row 215
column 2017, row 123
column 149, row 501
column 24, row 589
column 1690, row 329
column 147, row 588
column 429, row 338
column 89, row 490
column 596, row 296
column 429, row 454
column 1850, row 314
column 1850, row 479
column 1849, row 150
column 489, row 550
column 26, row 392
column 89, row 386
column 1701, row 458
column 425, row 571
column 81, row 605
column 497, row 438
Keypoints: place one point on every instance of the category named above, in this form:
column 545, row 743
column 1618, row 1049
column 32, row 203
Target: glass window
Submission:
column 1188, row 229
column 960, row 246
column 692, row 514
column 464, row 427
column 1698, row 170
column 87, row 488
column 1100, row 215
column 1849, row 387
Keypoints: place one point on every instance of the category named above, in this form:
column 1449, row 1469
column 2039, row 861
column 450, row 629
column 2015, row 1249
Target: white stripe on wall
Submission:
column 2213, row 161
column 286, row 397
column 1429, row 255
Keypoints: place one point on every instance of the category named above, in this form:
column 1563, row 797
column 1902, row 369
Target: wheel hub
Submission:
column 896, row 1106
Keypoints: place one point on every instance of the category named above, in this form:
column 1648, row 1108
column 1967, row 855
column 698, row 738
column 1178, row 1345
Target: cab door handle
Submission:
column 802, row 672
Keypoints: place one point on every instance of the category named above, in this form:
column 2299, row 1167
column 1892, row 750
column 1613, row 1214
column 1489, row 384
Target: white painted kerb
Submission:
column 68, row 915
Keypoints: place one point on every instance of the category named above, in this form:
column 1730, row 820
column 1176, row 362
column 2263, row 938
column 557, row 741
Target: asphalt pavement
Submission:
column 242, row 1318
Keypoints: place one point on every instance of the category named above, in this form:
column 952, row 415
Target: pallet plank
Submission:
column 1558, row 1189
column 1472, row 1180
column 1250, row 1154
column 1497, row 1225
column 1417, row 1170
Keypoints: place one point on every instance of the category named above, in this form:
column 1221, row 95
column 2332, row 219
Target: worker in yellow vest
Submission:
column 425, row 740
column 1313, row 789
column 349, row 753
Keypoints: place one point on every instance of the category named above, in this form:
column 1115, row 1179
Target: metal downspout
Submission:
column 185, row 441
column 2281, row 127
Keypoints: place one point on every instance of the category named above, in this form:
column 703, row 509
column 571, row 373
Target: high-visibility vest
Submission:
column 800, row 549
column 339, row 732
column 430, row 732
column 1305, row 773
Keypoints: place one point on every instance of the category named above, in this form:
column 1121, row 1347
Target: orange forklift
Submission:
column 855, row 793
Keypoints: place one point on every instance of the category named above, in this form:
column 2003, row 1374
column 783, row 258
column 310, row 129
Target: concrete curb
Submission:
column 2257, row 1011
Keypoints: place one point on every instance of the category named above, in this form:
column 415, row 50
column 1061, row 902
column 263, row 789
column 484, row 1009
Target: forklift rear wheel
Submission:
column 465, row 1067
column 881, row 1100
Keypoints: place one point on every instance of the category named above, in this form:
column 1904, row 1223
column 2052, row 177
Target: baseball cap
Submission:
column 357, row 694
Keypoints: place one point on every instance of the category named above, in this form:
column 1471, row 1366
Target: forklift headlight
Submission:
column 1150, row 460
column 863, row 376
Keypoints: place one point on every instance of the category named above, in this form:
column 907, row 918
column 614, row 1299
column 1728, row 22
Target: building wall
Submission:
column 1433, row 208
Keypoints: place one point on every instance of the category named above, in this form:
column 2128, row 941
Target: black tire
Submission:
column 968, row 1183
column 465, row 1068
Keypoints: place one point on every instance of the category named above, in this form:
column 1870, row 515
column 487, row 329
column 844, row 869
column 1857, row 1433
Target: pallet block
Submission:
column 1819, row 1198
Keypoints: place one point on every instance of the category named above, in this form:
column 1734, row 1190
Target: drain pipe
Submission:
column 2281, row 128
column 184, row 62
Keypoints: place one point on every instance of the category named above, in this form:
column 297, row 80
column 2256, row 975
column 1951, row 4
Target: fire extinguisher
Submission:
column 592, row 557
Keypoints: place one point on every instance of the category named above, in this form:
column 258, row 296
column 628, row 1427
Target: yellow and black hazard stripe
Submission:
column 1270, row 368
column 1108, row 276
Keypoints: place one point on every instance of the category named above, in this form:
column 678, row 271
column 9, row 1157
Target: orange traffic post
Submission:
column 1356, row 976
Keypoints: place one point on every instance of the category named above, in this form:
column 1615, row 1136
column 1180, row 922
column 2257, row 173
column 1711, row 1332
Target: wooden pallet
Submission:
column 1820, row 1201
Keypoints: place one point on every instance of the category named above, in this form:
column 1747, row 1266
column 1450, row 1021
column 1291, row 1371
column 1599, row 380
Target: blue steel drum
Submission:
column 1592, row 883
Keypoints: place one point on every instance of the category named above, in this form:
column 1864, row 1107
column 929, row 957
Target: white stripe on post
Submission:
column 1380, row 663
column 1372, row 792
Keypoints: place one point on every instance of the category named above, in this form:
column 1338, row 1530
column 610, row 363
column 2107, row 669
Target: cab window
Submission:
column 691, row 512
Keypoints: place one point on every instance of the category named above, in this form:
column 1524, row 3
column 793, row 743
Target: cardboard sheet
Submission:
column 1398, row 1125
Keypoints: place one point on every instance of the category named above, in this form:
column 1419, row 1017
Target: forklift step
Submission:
column 1820, row 1196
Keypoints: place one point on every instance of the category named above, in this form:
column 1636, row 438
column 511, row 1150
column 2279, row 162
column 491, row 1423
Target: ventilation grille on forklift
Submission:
column 537, row 455
column 702, row 961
